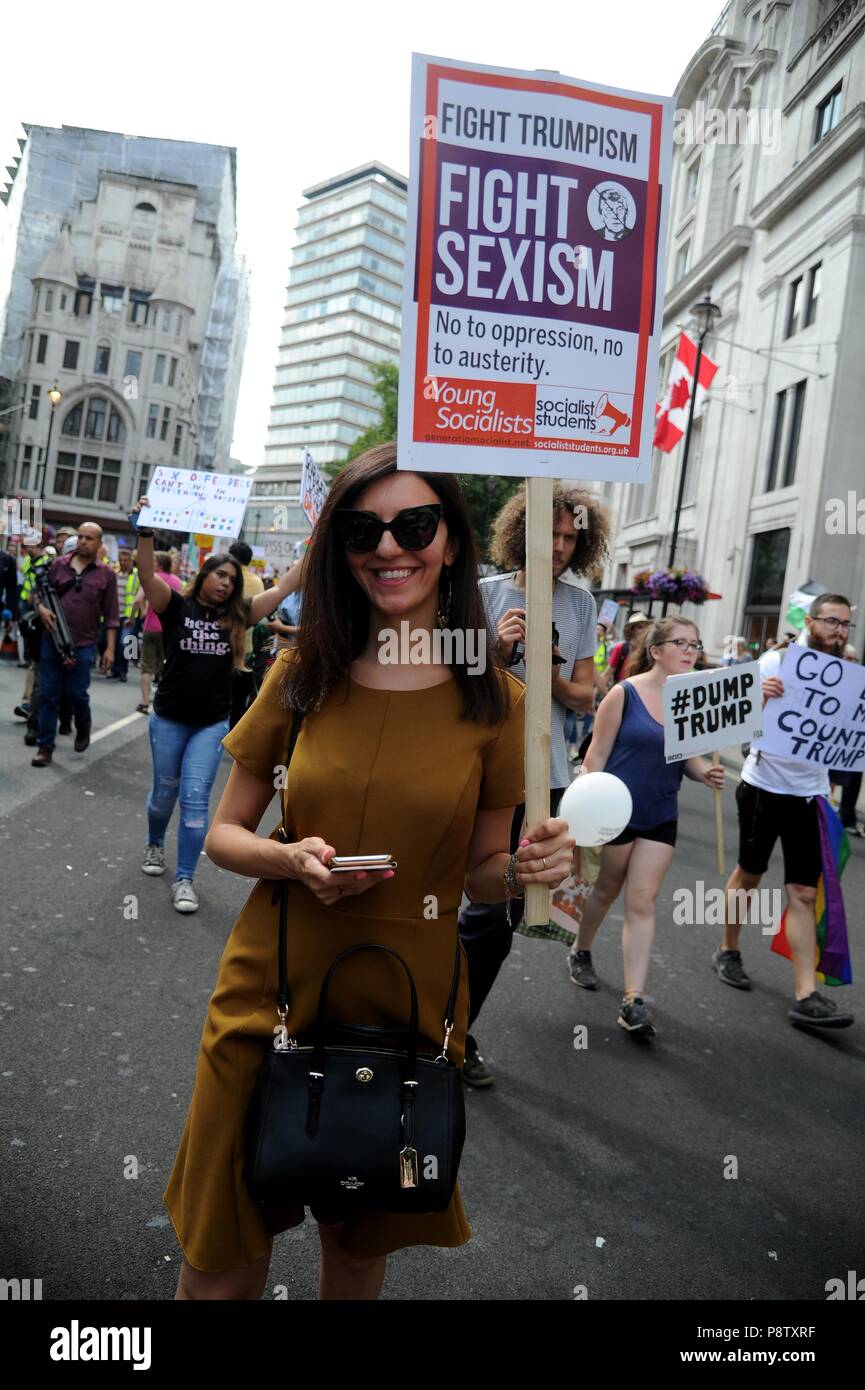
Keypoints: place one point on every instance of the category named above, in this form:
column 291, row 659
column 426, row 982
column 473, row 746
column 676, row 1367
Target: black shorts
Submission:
column 763, row 817
column 664, row 834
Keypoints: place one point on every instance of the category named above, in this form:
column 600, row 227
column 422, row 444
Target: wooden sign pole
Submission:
column 719, row 819
column 539, row 621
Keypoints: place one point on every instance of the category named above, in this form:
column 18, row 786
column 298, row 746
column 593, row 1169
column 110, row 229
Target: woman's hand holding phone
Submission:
column 307, row 861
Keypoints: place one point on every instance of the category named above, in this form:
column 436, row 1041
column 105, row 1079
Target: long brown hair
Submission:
column 232, row 616
column 661, row 630
column 334, row 618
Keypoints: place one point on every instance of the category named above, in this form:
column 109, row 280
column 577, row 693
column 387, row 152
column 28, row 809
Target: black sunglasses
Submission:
column 412, row 529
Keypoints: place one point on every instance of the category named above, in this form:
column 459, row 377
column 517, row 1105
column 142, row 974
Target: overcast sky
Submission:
column 303, row 91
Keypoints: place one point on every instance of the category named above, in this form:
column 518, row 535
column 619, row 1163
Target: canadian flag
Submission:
column 671, row 415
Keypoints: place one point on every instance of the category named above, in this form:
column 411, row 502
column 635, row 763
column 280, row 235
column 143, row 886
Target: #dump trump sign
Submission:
column 534, row 274
column 708, row 710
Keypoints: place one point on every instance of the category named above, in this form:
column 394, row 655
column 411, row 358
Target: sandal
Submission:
column 143, row 709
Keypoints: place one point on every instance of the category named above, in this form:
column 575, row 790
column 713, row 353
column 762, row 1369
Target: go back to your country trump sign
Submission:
column 708, row 710
column 820, row 718
column 534, row 273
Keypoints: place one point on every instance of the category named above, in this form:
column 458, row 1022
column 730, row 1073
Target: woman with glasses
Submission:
column 628, row 741
column 416, row 758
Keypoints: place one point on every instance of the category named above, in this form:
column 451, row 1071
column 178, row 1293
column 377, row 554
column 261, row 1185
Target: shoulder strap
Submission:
column 280, row 895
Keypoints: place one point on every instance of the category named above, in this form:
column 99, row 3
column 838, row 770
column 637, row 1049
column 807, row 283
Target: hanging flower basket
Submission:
column 675, row 585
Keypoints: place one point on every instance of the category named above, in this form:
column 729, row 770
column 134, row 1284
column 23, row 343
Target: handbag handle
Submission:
column 321, row 1026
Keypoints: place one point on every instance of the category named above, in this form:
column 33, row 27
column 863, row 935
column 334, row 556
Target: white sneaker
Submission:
column 154, row 860
column 183, row 896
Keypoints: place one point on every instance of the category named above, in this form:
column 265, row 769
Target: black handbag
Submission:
column 354, row 1126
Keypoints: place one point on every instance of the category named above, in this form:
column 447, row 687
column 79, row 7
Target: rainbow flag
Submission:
column 833, row 949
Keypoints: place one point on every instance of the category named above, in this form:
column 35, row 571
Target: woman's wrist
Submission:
column 485, row 884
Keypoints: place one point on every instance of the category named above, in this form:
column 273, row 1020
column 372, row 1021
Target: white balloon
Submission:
column 597, row 807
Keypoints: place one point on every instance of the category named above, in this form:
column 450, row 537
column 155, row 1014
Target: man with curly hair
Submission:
column 579, row 545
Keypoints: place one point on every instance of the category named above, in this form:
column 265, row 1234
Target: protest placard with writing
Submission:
column 820, row 718
column 533, row 286
column 313, row 489
column 182, row 500
column 706, row 710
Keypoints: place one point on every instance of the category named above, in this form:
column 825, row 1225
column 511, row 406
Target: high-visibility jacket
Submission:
column 126, row 591
column 601, row 657
column 31, row 568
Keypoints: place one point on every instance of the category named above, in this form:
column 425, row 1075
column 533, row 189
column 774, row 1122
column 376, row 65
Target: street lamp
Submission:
column 705, row 313
column 257, row 524
column 55, row 396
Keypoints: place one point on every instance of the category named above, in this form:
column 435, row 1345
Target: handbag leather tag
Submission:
column 408, row 1168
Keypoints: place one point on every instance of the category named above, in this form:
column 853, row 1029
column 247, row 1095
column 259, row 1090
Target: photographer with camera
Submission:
column 579, row 545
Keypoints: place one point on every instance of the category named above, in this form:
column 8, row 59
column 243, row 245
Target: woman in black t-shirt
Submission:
column 203, row 634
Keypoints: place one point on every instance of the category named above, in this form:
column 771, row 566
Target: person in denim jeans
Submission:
column 203, row 633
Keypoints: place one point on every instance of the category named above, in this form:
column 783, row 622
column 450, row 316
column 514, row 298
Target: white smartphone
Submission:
column 352, row 863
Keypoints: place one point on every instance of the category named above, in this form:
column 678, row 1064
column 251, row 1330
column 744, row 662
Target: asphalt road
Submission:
column 600, row 1167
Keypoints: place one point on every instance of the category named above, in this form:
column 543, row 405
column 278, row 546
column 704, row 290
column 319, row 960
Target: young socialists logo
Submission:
column 471, row 408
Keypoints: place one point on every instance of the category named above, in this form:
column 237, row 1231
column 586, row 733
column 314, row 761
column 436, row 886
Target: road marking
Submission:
column 118, row 724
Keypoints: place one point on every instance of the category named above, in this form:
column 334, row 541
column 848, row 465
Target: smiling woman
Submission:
column 421, row 762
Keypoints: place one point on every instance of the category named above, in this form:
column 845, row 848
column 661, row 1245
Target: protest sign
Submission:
column 705, row 710
column 608, row 612
column 313, row 489
column 182, row 500
column 533, row 286
column 820, row 718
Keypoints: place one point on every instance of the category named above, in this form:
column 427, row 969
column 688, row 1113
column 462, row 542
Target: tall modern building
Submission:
column 123, row 311
column 767, row 210
column 342, row 316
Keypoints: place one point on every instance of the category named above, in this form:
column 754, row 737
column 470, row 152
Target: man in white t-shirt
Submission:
column 777, row 799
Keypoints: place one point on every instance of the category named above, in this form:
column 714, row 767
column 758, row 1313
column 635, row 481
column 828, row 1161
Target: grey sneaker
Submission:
column 475, row 1070
column 818, row 1012
column 728, row 967
column 581, row 970
column 183, row 896
column 634, row 1017
column 154, row 860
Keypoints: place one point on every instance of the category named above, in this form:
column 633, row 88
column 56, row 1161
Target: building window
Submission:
column 139, row 307
column 166, row 321
column 87, row 472
column 133, row 364
column 794, row 307
column 62, row 303
column 813, row 294
column 159, row 369
column 72, row 422
column 110, row 480
column 152, row 420
column 112, row 299
column 42, row 350
column 827, row 115
column 70, row 355
column 94, row 426
column 84, row 296
column 178, row 440
column 29, row 348
column 692, row 181
column 166, row 420
column 35, row 308
column 682, row 261
column 64, row 474
column 49, row 301
column 103, row 358
column 27, row 459
column 116, row 428
column 179, row 328
column 785, row 441
column 35, row 393
column 172, row 372
column 144, row 207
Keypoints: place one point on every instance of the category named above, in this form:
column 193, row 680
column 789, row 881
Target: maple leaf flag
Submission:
column 671, row 415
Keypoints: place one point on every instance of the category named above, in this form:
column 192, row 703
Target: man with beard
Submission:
column 777, row 798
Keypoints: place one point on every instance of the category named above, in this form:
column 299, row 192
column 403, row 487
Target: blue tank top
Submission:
column 638, row 760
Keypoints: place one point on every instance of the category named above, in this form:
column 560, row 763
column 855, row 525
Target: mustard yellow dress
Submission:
column 373, row 771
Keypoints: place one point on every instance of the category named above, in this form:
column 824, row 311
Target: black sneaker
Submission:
column 728, row 967
column 31, row 740
column 82, row 740
column 817, row 1012
column 475, row 1070
column 64, row 729
column 581, row 970
column 634, row 1017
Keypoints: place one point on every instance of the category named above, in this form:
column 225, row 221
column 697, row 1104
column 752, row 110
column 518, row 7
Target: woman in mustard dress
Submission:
column 421, row 760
